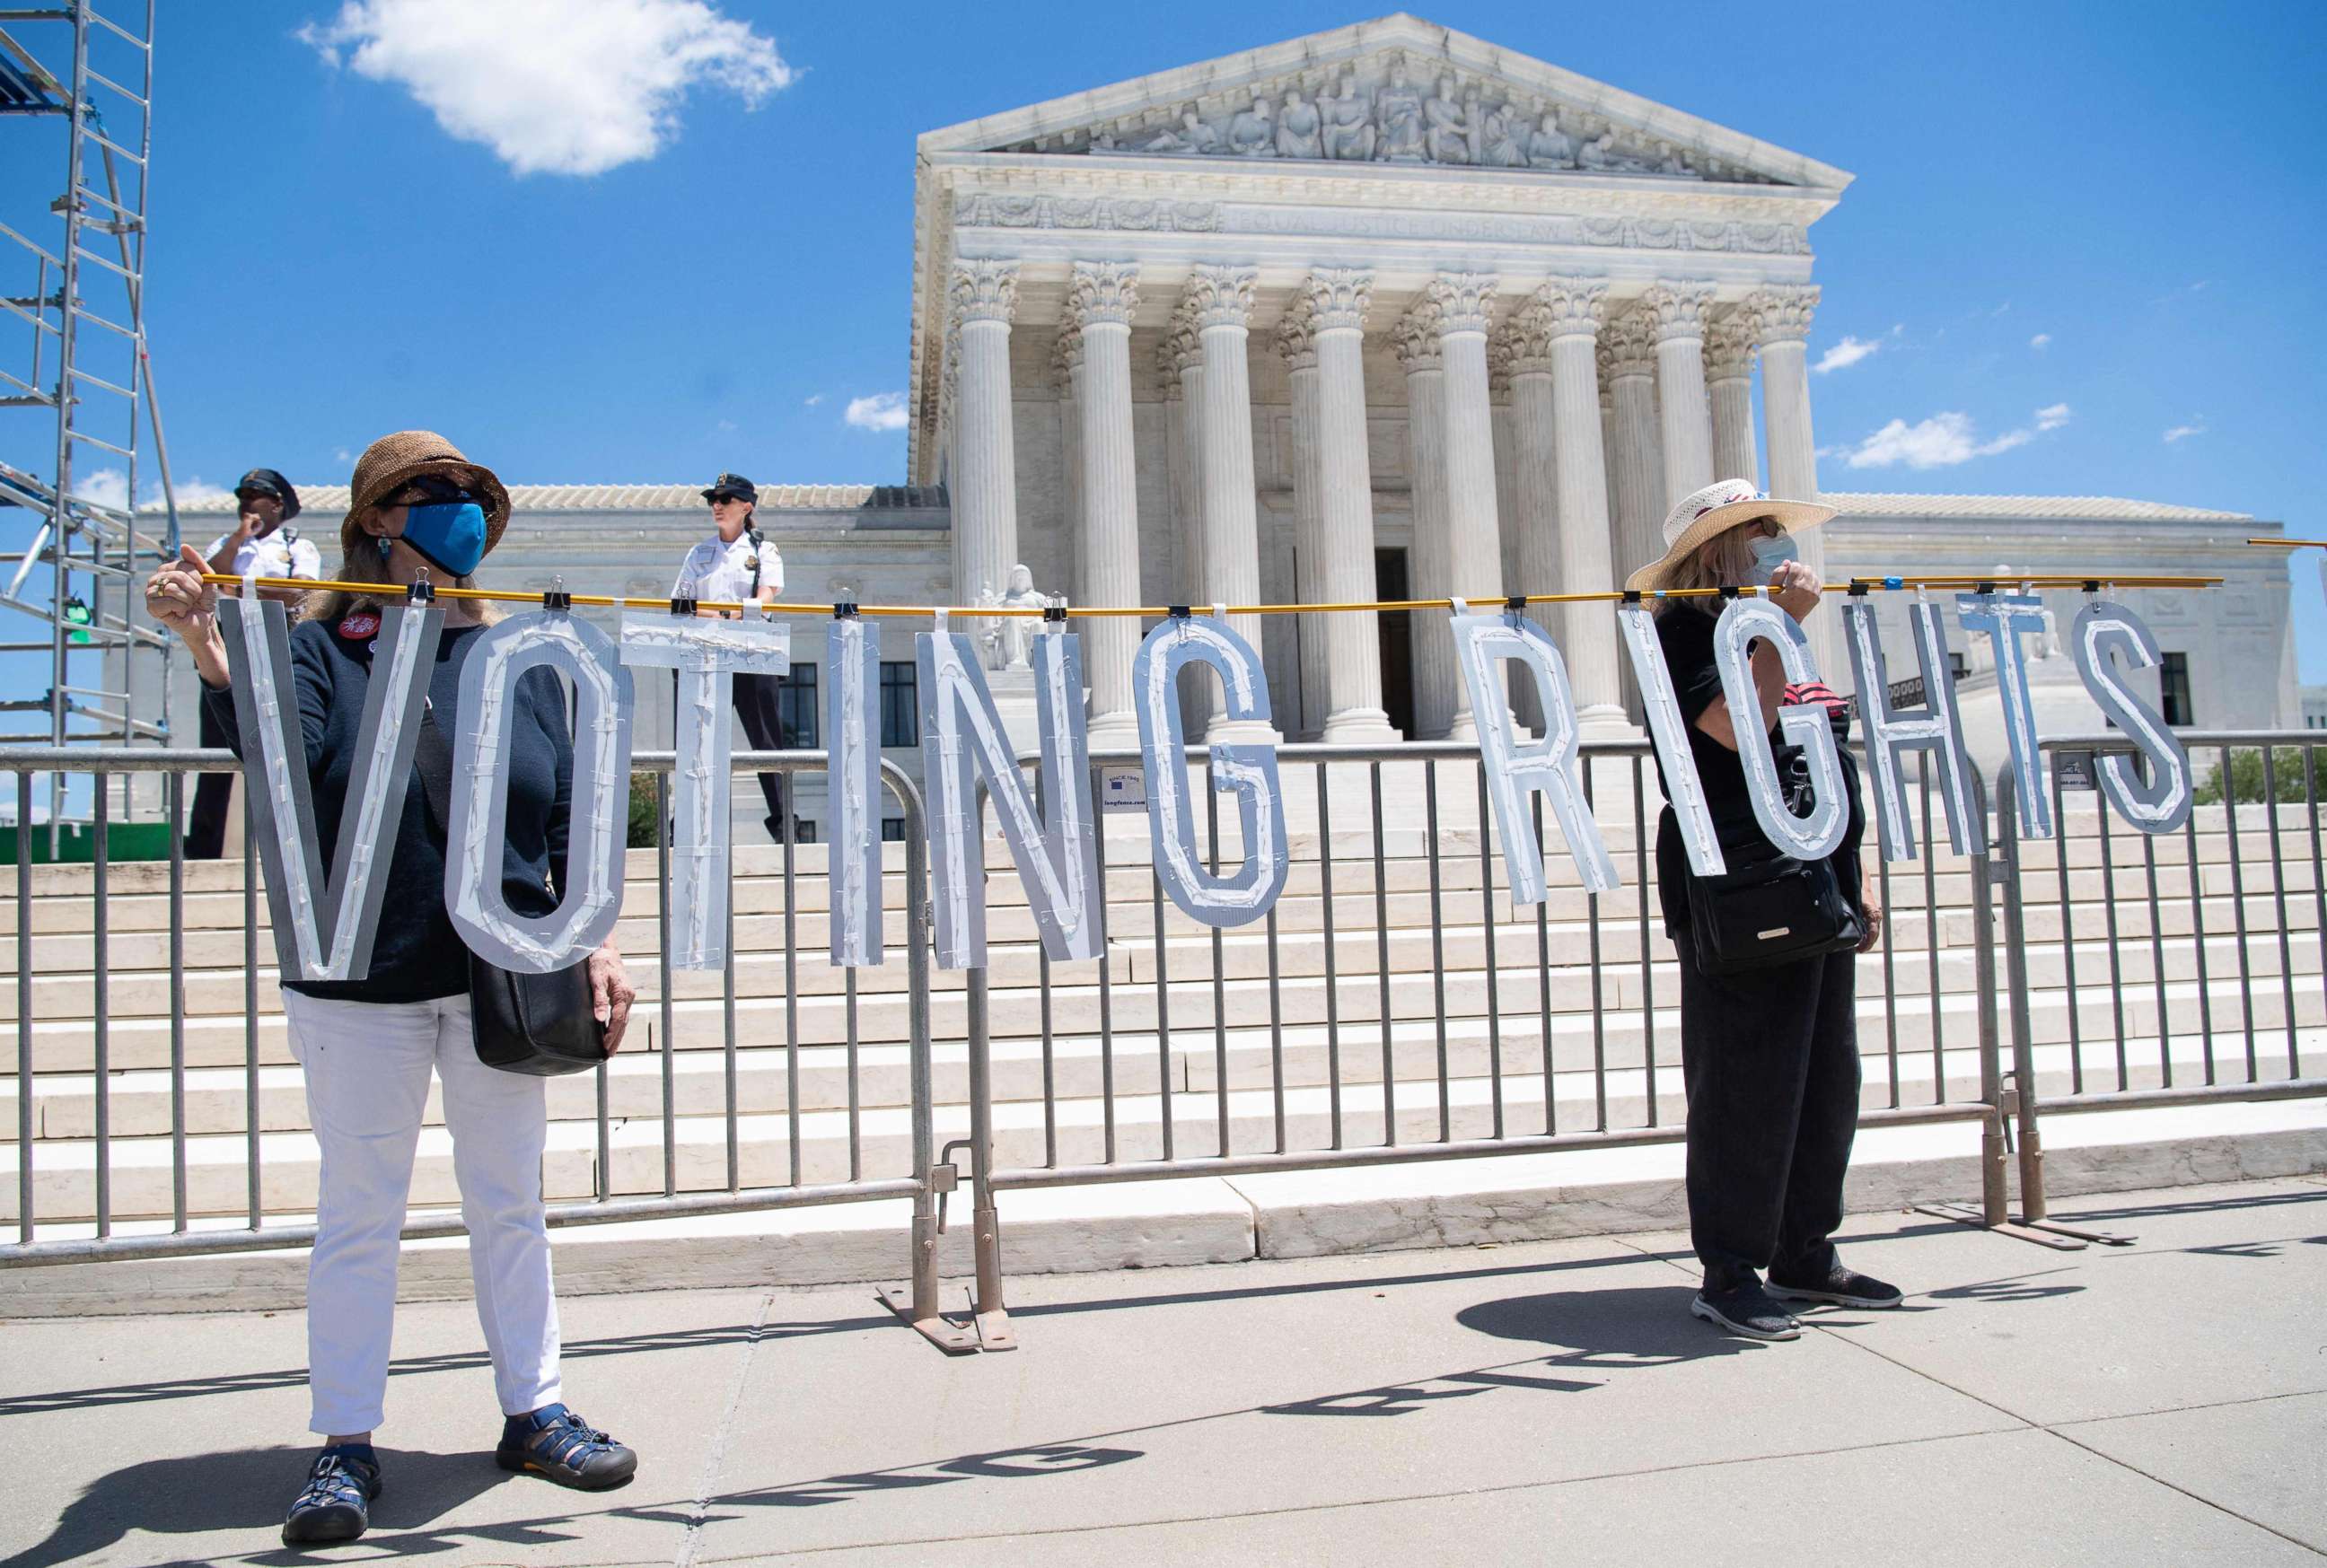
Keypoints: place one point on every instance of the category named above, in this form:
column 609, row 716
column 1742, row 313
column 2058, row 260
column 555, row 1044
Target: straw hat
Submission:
column 395, row 461
column 1713, row 511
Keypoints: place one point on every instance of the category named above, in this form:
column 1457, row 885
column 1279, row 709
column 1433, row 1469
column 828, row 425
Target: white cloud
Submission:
column 342, row 455
column 1945, row 440
column 1848, row 351
column 110, row 487
column 882, row 410
column 559, row 86
column 2040, row 340
column 2197, row 427
column 725, row 427
column 812, row 400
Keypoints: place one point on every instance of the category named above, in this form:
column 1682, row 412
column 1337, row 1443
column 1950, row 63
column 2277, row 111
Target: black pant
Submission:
column 755, row 705
column 213, row 795
column 1770, row 1058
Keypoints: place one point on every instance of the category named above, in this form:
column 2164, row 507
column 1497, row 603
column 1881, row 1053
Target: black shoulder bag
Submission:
column 1768, row 908
column 542, row 1024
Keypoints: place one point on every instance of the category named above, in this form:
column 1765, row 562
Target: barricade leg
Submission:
column 918, row 1303
column 994, row 1330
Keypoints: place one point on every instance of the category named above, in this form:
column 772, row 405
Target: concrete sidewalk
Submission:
column 2161, row 1402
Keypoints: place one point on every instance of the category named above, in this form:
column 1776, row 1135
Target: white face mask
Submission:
column 1768, row 555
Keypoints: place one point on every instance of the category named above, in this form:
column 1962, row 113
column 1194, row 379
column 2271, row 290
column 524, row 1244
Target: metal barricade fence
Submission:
column 1394, row 1006
column 66, row 1205
column 2214, row 935
column 1345, row 1034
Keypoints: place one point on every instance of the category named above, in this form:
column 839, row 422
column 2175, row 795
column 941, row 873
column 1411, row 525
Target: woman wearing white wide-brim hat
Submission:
column 1769, row 1054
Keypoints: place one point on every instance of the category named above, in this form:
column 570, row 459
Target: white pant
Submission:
column 367, row 1068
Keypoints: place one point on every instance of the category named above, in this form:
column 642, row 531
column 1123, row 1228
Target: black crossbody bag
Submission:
column 1768, row 907
column 522, row 1022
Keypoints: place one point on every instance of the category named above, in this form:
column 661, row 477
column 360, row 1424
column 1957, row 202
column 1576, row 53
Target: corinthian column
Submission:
column 1534, row 523
column 1179, row 360
column 1336, row 301
column 1676, row 315
column 985, row 487
column 1782, row 318
column 1729, row 386
column 1067, row 375
column 1476, row 558
column 1296, row 340
column 1637, row 484
column 1432, row 576
column 1561, row 322
column 1100, row 298
column 1221, row 299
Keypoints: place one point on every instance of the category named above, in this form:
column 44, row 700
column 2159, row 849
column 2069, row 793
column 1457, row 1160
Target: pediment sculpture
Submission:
column 1386, row 111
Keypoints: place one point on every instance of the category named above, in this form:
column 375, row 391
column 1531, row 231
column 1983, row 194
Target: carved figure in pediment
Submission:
column 1604, row 154
column 1499, row 138
column 1191, row 136
column 1251, row 135
column 1349, row 122
column 1299, row 128
column 1550, row 147
column 1668, row 160
column 1449, row 119
column 1400, row 108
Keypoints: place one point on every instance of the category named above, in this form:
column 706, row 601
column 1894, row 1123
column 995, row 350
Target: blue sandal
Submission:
column 556, row 1442
column 336, row 1504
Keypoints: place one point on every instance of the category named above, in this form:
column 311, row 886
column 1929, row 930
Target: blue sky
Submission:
column 2107, row 213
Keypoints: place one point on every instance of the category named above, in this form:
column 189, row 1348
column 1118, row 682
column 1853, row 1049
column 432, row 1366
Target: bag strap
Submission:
column 433, row 756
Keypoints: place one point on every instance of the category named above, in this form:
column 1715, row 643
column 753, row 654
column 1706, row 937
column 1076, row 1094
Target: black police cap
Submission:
column 266, row 482
column 735, row 485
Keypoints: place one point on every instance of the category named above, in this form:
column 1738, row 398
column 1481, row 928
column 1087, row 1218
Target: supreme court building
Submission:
column 1386, row 312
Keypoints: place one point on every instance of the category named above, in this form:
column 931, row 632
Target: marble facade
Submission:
column 1375, row 284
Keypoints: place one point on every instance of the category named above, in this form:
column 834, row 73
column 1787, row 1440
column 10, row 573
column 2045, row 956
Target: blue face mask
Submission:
column 450, row 536
column 1768, row 555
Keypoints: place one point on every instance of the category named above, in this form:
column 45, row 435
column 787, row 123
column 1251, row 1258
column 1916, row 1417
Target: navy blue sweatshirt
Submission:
column 418, row 956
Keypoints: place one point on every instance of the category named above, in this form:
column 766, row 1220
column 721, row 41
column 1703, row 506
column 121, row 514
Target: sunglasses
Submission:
column 725, row 496
column 429, row 488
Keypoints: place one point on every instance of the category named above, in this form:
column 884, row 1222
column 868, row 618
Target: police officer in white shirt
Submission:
column 738, row 565
column 264, row 539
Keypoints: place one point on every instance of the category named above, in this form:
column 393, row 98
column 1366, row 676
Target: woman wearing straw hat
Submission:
column 367, row 1047
column 1769, row 1054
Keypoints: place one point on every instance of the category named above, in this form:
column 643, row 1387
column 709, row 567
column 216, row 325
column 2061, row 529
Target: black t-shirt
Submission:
column 417, row 954
column 1686, row 635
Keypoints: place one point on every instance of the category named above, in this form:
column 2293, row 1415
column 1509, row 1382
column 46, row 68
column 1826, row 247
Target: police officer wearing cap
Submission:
column 738, row 565
column 264, row 540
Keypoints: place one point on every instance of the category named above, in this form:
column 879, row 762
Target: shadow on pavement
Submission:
column 296, row 1377
column 1633, row 1326
column 247, row 1490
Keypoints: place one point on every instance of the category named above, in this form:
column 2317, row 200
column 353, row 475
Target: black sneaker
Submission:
column 336, row 1504
column 556, row 1442
column 1840, row 1287
column 1748, row 1310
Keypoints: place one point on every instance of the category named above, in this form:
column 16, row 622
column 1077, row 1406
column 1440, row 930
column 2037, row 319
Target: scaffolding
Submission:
column 79, row 84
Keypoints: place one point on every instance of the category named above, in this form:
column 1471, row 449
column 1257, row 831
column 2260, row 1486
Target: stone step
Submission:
column 1016, row 1010
column 1073, row 1132
column 1078, row 1066
column 215, row 989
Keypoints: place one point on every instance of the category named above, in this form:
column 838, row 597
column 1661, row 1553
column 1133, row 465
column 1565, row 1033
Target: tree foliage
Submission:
column 2291, row 780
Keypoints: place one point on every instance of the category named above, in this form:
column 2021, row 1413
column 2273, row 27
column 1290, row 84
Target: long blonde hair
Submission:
column 360, row 562
column 1723, row 561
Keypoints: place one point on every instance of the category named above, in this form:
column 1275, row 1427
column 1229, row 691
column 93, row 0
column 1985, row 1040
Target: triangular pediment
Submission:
column 1396, row 92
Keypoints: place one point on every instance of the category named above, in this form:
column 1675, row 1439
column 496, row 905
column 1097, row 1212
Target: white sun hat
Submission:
column 1712, row 511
